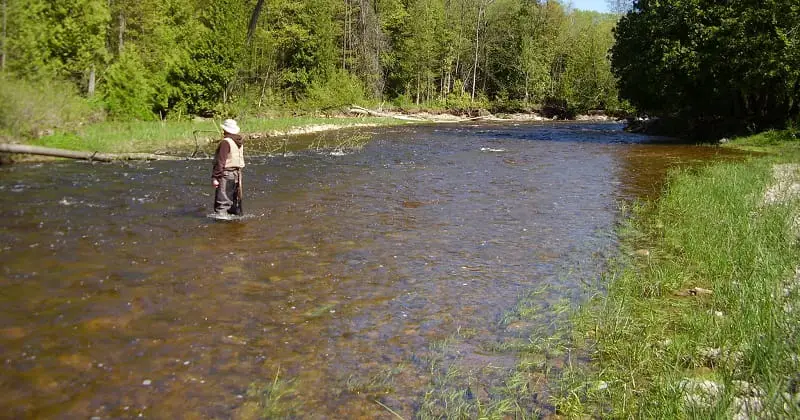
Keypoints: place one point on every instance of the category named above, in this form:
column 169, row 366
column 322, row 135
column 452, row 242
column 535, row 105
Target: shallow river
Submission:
column 118, row 297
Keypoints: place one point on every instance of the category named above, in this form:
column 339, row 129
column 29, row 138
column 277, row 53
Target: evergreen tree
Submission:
column 129, row 93
column 57, row 38
column 205, row 79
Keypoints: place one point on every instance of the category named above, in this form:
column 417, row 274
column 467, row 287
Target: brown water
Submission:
column 119, row 298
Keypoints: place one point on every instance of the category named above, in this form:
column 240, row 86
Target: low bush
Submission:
column 29, row 109
column 339, row 90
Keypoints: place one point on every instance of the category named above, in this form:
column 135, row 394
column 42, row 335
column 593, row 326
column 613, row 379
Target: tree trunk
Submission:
column 370, row 45
column 527, row 91
column 72, row 154
column 3, row 40
column 92, row 76
column 477, row 45
column 485, row 71
column 418, row 89
column 263, row 91
column 457, row 68
column 251, row 27
column 442, row 81
column 360, row 110
column 121, row 40
column 346, row 31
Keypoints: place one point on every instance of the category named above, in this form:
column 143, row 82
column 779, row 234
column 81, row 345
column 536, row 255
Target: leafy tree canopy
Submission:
column 722, row 66
column 157, row 58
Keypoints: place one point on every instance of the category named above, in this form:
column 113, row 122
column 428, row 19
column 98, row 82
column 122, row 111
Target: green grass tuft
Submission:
column 275, row 399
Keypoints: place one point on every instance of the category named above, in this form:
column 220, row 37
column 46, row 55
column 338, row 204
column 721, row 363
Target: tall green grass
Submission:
column 710, row 229
column 784, row 143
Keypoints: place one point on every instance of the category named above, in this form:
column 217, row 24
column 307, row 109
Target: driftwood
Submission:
column 364, row 111
column 359, row 110
column 72, row 154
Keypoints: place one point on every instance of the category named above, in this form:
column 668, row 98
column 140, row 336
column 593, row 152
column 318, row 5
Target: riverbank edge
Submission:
column 182, row 138
column 696, row 316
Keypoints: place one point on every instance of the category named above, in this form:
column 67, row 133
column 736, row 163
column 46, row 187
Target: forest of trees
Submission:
column 150, row 59
column 714, row 68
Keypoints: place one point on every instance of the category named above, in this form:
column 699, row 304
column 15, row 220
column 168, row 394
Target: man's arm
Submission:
column 222, row 156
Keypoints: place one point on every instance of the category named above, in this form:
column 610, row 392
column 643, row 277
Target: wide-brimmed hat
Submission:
column 230, row 126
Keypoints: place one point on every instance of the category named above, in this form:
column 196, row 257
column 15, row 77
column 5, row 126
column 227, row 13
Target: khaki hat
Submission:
column 230, row 126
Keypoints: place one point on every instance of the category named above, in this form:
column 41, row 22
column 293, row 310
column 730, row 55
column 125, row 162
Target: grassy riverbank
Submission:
column 178, row 136
column 700, row 317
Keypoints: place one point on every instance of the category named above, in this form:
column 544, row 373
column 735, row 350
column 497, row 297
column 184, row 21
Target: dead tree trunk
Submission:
column 477, row 45
column 73, row 154
column 92, row 75
column 121, row 38
column 364, row 111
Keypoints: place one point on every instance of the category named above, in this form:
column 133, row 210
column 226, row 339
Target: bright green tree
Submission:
column 57, row 38
column 588, row 82
column 420, row 49
column 305, row 35
column 539, row 28
column 128, row 92
column 204, row 79
column 182, row 57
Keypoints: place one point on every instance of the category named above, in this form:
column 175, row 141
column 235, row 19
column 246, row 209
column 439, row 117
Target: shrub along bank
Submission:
column 701, row 317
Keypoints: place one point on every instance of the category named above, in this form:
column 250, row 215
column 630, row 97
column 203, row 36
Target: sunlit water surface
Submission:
column 118, row 297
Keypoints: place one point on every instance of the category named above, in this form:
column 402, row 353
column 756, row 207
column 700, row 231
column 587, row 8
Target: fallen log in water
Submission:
column 73, row 154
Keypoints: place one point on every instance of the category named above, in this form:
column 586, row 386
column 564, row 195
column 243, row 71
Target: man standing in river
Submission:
column 227, row 172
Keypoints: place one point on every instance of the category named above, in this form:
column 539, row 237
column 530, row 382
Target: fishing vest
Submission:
column 235, row 157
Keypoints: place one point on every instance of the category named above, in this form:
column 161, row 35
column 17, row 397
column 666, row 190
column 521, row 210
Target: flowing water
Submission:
column 119, row 298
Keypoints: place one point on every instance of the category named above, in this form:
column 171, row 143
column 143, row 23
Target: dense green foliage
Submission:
column 722, row 66
column 170, row 58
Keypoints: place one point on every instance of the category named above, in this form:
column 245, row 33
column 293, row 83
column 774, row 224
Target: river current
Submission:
column 119, row 298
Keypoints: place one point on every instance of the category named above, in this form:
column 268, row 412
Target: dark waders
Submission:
column 237, row 202
column 228, row 196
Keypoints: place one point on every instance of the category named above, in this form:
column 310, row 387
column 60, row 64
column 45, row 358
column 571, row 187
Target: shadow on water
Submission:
column 120, row 297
